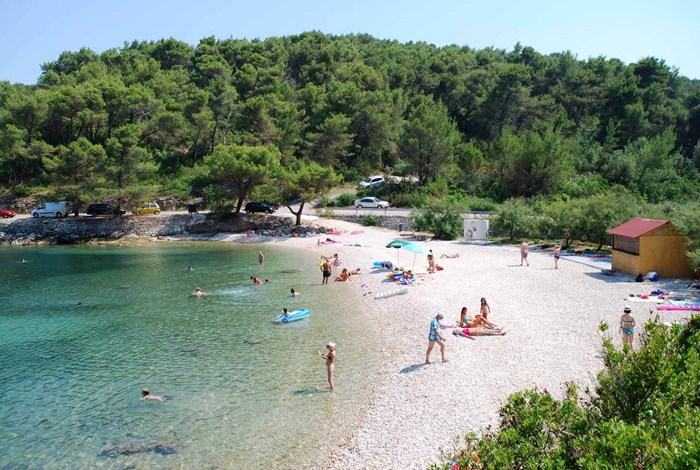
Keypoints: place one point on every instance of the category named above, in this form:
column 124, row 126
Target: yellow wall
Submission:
column 625, row 262
column 665, row 254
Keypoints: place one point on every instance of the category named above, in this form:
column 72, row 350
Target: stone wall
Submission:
column 394, row 223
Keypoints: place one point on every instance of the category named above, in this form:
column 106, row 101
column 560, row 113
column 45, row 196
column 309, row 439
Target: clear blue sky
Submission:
column 33, row 32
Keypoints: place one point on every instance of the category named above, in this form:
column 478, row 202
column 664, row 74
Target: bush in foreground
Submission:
column 645, row 413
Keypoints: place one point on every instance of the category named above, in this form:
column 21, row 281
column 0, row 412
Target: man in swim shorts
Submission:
column 523, row 253
column 436, row 336
column 627, row 324
column 327, row 271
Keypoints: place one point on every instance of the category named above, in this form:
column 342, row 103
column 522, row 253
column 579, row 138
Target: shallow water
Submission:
column 83, row 329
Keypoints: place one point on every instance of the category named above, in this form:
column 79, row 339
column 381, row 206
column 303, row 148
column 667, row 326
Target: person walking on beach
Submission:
column 330, row 363
column 326, row 269
column 557, row 255
column 627, row 324
column 436, row 336
column 523, row 253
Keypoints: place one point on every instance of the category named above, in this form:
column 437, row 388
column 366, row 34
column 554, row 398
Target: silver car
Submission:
column 370, row 202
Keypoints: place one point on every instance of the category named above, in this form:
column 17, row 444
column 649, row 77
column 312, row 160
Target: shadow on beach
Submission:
column 412, row 368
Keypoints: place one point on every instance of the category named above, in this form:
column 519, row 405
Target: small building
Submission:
column 476, row 229
column 649, row 245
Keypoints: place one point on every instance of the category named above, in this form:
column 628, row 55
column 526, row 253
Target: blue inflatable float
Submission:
column 294, row 315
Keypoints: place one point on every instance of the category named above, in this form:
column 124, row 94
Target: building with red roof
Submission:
column 650, row 245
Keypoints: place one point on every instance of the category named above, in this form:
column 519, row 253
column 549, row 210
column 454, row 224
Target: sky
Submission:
column 33, row 32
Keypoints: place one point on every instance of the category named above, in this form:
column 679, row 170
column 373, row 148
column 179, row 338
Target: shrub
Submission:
column 514, row 219
column 343, row 200
column 20, row 190
column 216, row 200
column 370, row 220
column 442, row 217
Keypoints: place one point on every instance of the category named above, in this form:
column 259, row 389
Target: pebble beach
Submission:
column 420, row 411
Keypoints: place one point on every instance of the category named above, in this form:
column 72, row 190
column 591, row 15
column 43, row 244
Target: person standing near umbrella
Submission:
column 431, row 262
column 436, row 336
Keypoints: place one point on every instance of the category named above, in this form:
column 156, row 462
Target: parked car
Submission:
column 371, row 202
column 51, row 209
column 104, row 209
column 372, row 182
column 6, row 213
column 148, row 208
column 260, row 206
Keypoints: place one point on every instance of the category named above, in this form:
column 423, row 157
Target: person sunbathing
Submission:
column 476, row 322
column 354, row 272
column 453, row 255
column 480, row 331
column 343, row 276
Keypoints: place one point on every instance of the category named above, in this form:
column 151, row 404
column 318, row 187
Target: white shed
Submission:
column 476, row 229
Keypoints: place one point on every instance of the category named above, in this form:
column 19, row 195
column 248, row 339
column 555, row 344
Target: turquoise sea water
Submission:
column 83, row 329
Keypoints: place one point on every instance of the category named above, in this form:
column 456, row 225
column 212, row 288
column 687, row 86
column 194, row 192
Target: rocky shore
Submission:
column 72, row 230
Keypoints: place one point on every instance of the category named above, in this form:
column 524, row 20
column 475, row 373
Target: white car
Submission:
column 51, row 209
column 372, row 182
column 371, row 202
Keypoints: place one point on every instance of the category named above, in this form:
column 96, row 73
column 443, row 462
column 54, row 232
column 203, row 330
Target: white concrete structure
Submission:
column 476, row 229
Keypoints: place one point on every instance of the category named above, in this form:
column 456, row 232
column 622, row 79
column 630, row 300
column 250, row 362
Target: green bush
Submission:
column 344, row 200
column 216, row 200
column 442, row 217
column 20, row 190
column 514, row 220
column 644, row 413
column 370, row 220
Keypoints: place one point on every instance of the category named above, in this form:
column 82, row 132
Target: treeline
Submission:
column 168, row 118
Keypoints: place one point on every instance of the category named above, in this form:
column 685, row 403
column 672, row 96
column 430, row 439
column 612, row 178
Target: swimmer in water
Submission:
column 294, row 293
column 198, row 292
column 256, row 280
column 146, row 395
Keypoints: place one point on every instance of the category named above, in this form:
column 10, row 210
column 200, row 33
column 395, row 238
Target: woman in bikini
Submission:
column 627, row 324
column 475, row 323
column 330, row 360
column 557, row 255
column 479, row 331
column 484, row 309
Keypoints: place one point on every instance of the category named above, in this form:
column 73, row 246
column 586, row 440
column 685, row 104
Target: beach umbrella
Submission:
column 398, row 244
column 415, row 248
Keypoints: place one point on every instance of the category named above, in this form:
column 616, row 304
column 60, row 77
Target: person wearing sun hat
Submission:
column 627, row 324
column 436, row 336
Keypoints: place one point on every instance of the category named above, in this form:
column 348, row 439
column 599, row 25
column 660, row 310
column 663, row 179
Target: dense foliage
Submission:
column 644, row 413
column 158, row 117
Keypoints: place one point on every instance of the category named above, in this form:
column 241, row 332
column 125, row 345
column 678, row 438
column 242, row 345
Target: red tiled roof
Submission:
column 637, row 227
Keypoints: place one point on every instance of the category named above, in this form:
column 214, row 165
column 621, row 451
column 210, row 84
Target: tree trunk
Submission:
column 298, row 213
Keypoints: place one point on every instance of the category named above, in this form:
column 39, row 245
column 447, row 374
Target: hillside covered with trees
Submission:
column 285, row 118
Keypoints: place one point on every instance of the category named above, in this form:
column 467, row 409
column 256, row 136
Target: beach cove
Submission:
column 413, row 412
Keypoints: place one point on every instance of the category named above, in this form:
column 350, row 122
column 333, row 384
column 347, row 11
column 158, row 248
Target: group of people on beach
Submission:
column 524, row 247
column 467, row 327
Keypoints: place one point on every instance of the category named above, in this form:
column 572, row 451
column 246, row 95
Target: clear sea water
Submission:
column 84, row 329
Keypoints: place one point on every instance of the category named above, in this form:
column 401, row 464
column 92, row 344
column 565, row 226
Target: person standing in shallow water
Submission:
column 330, row 364
column 261, row 258
column 326, row 269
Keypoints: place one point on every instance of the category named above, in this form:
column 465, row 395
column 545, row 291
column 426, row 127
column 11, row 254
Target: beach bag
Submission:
column 639, row 278
column 652, row 276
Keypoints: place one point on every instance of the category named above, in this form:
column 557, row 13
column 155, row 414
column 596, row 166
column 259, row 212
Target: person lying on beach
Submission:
column 146, row 395
column 294, row 293
column 480, row 331
column 198, row 292
column 256, row 280
column 478, row 321
column 453, row 255
column 354, row 272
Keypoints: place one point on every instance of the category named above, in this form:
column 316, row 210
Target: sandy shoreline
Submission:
column 418, row 411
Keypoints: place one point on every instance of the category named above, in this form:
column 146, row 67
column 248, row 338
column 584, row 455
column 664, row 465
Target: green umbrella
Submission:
column 398, row 243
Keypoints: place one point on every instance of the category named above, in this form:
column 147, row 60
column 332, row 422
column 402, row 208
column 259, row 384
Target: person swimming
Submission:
column 198, row 292
column 293, row 293
column 256, row 280
column 146, row 395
